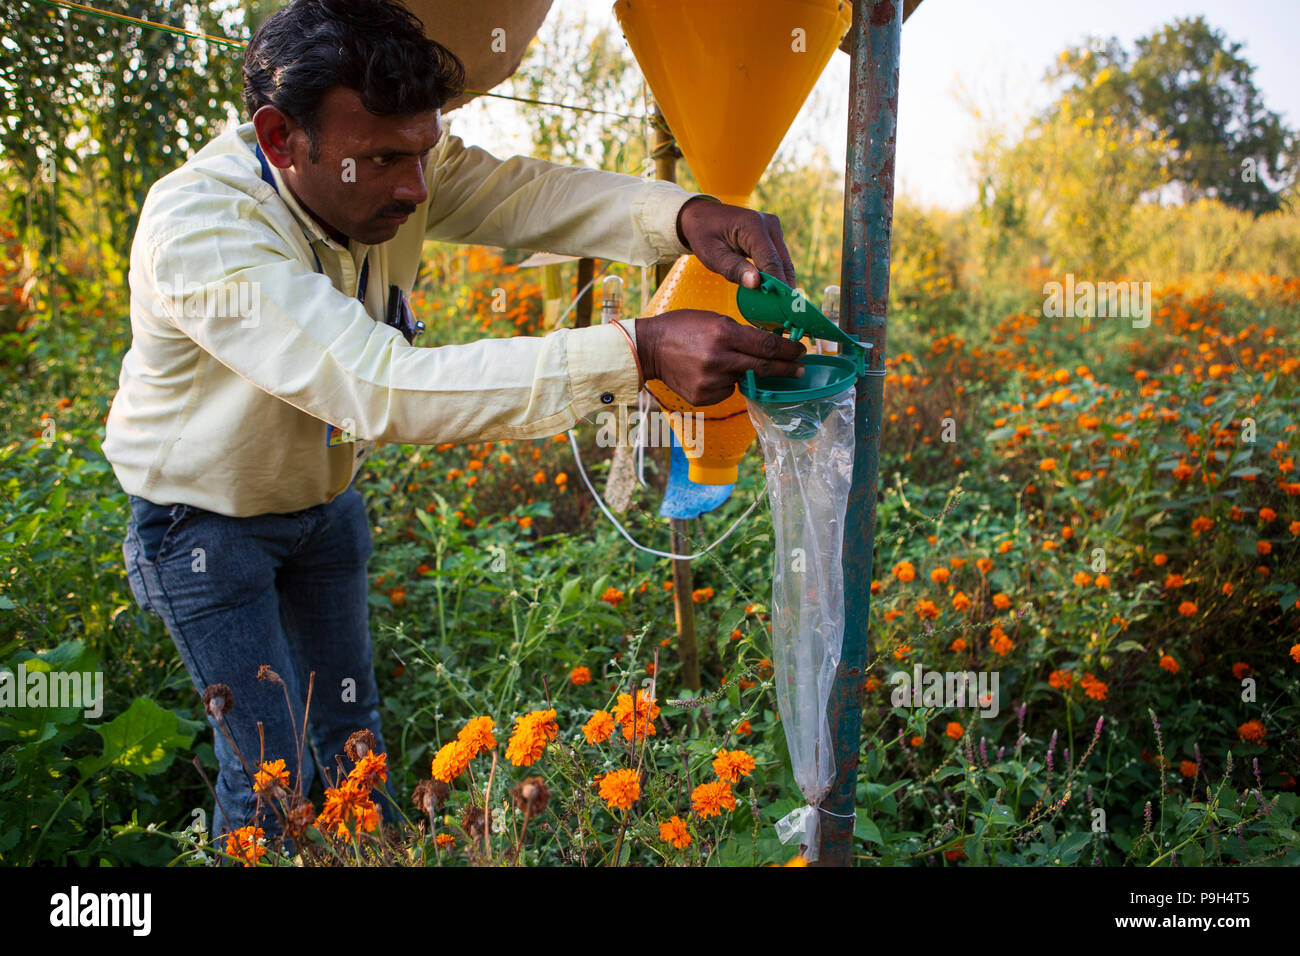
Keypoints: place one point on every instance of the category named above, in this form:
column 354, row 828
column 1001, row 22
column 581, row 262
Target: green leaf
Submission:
column 569, row 591
column 865, row 829
column 141, row 741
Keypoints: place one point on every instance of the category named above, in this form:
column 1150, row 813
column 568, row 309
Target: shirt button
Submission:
column 607, row 397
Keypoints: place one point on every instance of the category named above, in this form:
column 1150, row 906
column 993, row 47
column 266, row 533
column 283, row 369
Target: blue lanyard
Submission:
column 365, row 263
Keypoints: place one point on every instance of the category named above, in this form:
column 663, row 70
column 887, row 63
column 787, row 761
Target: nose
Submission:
column 411, row 188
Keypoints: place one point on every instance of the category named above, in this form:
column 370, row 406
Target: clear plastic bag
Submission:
column 808, row 456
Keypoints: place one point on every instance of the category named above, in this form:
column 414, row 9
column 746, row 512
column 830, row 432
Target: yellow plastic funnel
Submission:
column 729, row 76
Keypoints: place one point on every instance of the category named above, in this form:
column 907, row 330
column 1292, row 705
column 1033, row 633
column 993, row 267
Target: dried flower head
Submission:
column 531, row 795
column 217, row 700
column 360, row 744
column 265, row 673
column 430, row 796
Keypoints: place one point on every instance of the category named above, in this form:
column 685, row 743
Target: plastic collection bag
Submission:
column 808, row 456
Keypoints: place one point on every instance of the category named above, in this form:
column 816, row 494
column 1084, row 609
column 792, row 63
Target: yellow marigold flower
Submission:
column 451, row 760
column 731, row 765
column 599, row 728
column 1169, row 664
column 904, row 571
column 710, row 799
column 674, row 832
column 620, row 789
column 579, row 676
column 246, row 843
column 1252, row 731
column 478, row 734
column 953, row 730
column 273, row 775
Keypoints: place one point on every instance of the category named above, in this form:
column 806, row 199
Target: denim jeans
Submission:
column 285, row 590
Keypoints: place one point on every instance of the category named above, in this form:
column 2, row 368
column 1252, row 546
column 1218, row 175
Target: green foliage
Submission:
column 1188, row 83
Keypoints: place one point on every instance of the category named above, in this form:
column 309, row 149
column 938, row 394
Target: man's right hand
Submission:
column 702, row 355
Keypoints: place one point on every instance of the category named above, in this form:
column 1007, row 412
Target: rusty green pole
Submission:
column 864, row 297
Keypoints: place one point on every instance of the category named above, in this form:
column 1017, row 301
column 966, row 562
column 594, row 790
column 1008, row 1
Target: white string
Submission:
column 573, row 442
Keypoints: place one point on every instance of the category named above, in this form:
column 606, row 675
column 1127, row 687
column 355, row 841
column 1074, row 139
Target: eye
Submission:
column 383, row 161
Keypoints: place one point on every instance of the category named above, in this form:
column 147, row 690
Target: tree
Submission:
column 1188, row 84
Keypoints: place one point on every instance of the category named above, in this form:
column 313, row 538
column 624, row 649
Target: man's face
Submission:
column 369, row 176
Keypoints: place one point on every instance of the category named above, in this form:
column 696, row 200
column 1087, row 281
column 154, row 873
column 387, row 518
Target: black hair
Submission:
column 376, row 47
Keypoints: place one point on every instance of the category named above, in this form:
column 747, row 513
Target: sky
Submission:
column 962, row 57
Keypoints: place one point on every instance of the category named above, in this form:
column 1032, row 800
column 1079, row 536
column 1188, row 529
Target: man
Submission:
column 270, row 352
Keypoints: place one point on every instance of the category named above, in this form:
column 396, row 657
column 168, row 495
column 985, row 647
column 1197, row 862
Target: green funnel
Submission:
column 799, row 404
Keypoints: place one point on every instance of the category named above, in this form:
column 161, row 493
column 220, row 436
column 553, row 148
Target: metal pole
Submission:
column 864, row 284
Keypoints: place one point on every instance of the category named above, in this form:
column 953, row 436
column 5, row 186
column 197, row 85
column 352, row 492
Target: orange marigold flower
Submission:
column 579, row 676
column 876, row 587
column 700, row 595
column 1092, row 687
column 1295, row 648
column 1061, row 680
column 1001, row 601
column 1174, row 581
column 1294, row 528
column 939, row 575
column 1004, row 547
column 710, row 799
column 957, row 563
column 1263, row 547
column 1047, row 464
column 904, row 571
column 640, row 723
column 451, row 760
column 599, row 728
column 1001, row 645
column 1159, row 560
column 1082, row 579
column 1252, row 731
column 445, row 841
column 984, row 564
column 1267, row 514
column 1201, row 524
column 1242, row 670
column 1169, row 664
column 959, row 645
column 960, row 601
column 246, row 843
column 1102, row 581
column 743, row 729
column 1187, row 608
column 917, row 741
column 370, row 771
column 612, row 596
column 271, row 776
column 732, row 765
column 1228, row 588
column 953, row 730
column 620, row 789
column 927, row 609
column 796, row 861
column 478, row 735
column 1187, row 768
column 674, row 831
column 532, row 733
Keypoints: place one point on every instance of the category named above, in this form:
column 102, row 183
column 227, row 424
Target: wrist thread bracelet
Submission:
column 640, row 375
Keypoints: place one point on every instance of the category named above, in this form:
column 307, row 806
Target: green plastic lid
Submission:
column 777, row 307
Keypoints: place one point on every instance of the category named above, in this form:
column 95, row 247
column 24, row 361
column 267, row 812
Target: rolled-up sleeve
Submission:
column 317, row 349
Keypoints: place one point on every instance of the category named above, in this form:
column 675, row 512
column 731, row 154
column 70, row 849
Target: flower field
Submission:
column 1105, row 517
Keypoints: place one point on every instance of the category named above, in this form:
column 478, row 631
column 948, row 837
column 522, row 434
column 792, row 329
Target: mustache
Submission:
column 403, row 210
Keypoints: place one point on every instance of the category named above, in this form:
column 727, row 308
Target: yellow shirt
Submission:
column 243, row 355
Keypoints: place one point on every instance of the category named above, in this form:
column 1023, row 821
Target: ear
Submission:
column 274, row 129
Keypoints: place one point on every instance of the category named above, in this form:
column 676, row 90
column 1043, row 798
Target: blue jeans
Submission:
column 284, row 590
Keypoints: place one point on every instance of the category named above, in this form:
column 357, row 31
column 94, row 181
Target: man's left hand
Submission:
column 721, row 236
